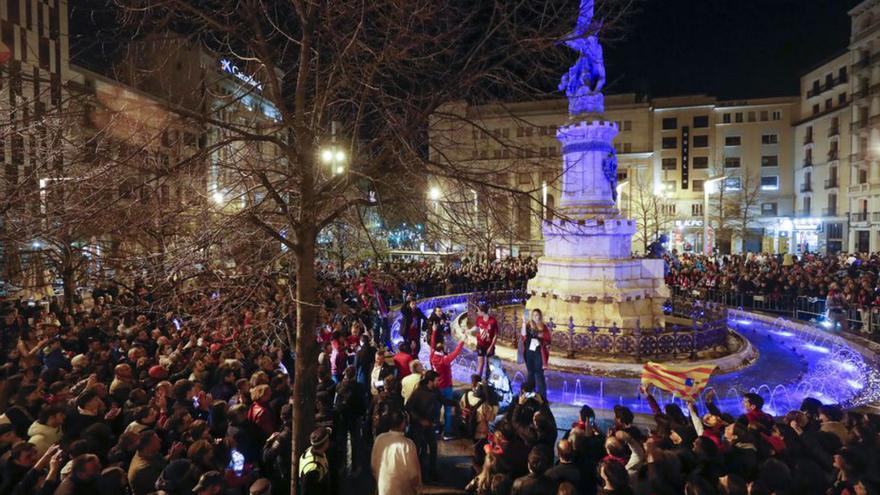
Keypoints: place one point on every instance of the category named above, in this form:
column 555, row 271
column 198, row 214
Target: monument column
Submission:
column 587, row 272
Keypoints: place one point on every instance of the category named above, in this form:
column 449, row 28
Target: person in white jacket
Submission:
column 46, row 430
column 395, row 461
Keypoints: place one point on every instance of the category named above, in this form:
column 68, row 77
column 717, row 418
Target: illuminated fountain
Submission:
column 609, row 310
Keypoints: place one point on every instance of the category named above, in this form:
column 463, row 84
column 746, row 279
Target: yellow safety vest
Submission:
column 311, row 462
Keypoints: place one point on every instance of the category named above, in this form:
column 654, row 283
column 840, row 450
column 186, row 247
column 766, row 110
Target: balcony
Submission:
column 833, row 155
column 860, row 93
column 808, row 162
column 803, row 213
column 859, row 217
column 829, row 212
column 807, row 187
column 831, row 183
column 875, row 217
column 808, row 139
column 833, row 131
column 858, row 125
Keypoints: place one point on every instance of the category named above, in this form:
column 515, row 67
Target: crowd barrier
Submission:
column 864, row 322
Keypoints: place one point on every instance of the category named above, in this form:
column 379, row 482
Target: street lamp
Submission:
column 434, row 193
column 218, row 197
column 335, row 158
column 707, row 186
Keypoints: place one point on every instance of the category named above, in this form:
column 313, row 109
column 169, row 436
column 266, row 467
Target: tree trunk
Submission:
column 306, row 369
column 69, row 283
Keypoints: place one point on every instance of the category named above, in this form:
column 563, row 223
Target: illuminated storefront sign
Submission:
column 688, row 223
column 227, row 66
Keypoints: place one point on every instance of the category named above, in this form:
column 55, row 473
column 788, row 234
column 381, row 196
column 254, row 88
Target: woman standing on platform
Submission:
column 536, row 349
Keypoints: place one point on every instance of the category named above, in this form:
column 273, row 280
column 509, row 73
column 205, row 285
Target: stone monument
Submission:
column 587, row 275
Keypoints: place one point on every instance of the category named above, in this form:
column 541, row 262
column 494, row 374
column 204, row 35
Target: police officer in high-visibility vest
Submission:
column 314, row 469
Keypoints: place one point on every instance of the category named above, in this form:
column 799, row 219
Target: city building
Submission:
column 822, row 171
column 863, row 188
column 667, row 149
column 749, row 144
column 35, row 37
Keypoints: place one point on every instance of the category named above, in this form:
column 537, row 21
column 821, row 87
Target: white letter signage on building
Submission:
column 227, row 66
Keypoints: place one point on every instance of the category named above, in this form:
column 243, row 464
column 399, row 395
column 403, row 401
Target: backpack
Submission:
column 469, row 415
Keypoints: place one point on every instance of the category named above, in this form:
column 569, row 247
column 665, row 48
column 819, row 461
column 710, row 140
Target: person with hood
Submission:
column 46, row 430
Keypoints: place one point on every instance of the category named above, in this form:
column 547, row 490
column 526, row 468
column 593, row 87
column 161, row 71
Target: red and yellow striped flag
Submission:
column 685, row 382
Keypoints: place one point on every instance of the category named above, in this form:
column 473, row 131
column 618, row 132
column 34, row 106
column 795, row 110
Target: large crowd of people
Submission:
column 810, row 275
column 115, row 396
column 140, row 392
column 844, row 288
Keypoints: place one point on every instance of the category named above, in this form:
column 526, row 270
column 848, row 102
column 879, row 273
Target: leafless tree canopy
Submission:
column 172, row 176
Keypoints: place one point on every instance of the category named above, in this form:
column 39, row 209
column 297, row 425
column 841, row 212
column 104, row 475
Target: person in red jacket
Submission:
column 261, row 413
column 487, row 334
column 402, row 359
column 442, row 364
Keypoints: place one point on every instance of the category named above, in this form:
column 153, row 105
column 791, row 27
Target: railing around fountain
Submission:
column 696, row 327
column 865, row 322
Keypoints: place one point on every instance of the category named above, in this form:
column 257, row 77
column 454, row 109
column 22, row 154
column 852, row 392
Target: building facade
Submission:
column 823, row 174
column 667, row 149
column 863, row 188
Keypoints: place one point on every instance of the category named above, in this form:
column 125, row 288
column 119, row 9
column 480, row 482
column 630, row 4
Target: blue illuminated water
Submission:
column 791, row 365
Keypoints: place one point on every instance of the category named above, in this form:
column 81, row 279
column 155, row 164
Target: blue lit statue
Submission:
column 584, row 81
column 609, row 169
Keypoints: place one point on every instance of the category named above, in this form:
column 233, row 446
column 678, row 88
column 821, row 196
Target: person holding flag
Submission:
column 685, row 382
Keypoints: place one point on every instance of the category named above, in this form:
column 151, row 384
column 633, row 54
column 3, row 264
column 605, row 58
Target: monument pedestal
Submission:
column 587, row 275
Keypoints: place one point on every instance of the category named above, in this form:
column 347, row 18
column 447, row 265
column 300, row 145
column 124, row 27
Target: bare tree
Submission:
column 381, row 68
column 650, row 210
column 744, row 206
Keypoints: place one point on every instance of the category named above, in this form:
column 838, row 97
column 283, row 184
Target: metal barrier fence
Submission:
column 865, row 322
column 700, row 327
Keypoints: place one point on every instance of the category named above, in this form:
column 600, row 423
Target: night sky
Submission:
column 724, row 48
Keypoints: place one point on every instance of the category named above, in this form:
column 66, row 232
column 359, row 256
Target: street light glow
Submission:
column 434, row 193
column 340, row 169
column 327, row 155
column 36, row 244
column 340, row 156
column 217, row 197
